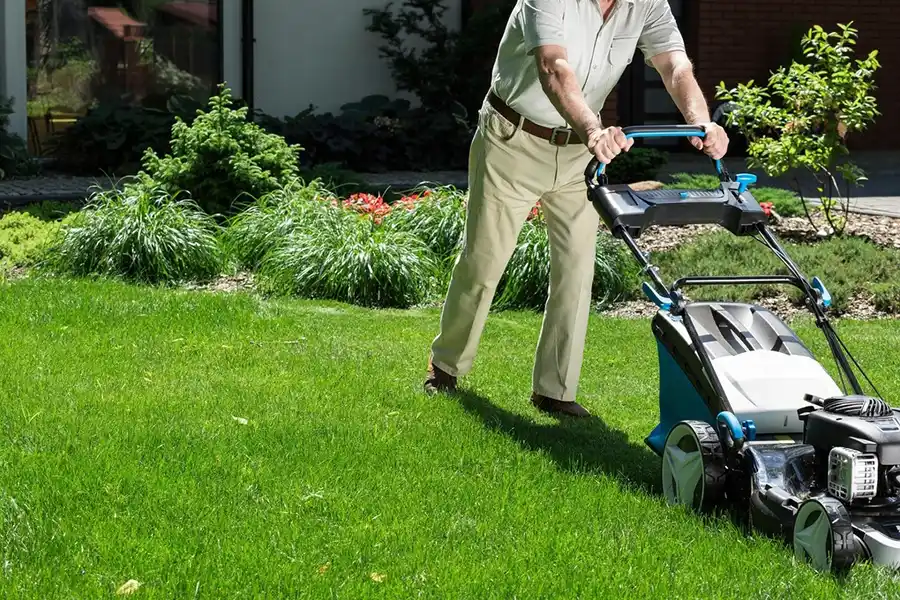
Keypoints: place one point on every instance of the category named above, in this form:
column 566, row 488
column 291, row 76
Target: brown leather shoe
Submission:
column 558, row 407
column 439, row 380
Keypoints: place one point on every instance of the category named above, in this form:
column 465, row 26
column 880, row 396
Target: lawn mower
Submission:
column 750, row 422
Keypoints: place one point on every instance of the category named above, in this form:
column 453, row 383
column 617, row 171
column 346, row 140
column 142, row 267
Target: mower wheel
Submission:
column 823, row 535
column 693, row 466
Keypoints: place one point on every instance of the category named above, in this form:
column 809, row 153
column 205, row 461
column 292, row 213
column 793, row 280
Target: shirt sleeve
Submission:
column 542, row 23
column 660, row 33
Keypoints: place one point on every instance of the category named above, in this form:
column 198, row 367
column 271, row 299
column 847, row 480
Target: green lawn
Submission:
column 124, row 455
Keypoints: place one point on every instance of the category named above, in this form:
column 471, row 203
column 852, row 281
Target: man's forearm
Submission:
column 685, row 91
column 561, row 86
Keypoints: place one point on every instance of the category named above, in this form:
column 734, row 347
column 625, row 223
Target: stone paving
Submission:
column 879, row 196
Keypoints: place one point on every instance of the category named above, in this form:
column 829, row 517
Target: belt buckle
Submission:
column 556, row 131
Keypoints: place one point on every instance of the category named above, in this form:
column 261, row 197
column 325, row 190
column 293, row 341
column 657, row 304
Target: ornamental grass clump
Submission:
column 437, row 216
column 525, row 283
column 347, row 257
column 140, row 233
column 272, row 217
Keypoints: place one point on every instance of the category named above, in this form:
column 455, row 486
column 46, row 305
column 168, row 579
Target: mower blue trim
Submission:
column 749, row 428
column 663, row 302
column 664, row 133
column 678, row 400
column 820, row 287
column 745, row 180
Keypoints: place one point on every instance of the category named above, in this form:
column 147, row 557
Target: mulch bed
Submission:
column 882, row 231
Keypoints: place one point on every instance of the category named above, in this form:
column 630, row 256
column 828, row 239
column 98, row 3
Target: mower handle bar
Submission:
column 595, row 168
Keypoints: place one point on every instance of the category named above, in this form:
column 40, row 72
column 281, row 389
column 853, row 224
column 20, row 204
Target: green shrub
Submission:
column 264, row 225
column 51, row 210
column 846, row 266
column 141, row 233
column 438, row 219
column 14, row 158
column 886, row 297
column 525, row 283
column 24, row 239
column 222, row 156
column 638, row 164
column 349, row 258
column 786, row 202
column 804, row 115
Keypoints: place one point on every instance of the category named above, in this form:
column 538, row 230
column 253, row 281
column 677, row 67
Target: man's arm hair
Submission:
column 677, row 73
column 559, row 82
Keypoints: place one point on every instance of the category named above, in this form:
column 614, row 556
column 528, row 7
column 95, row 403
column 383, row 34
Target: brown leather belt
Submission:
column 557, row 136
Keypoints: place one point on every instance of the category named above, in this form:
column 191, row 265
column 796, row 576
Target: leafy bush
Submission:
column 14, row 158
column 378, row 134
column 24, row 239
column 222, row 156
column 846, row 265
column 886, row 297
column 638, row 164
column 264, row 225
column 113, row 136
column 525, row 283
column 443, row 66
column 141, row 233
column 349, row 258
column 785, row 202
column 803, row 117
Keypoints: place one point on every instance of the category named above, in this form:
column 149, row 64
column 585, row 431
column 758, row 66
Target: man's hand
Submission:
column 608, row 143
column 714, row 143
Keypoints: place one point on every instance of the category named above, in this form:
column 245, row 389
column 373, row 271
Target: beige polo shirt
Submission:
column 598, row 51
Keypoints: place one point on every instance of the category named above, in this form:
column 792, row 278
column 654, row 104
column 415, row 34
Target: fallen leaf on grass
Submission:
column 240, row 420
column 378, row 577
column 324, row 568
column 129, row 587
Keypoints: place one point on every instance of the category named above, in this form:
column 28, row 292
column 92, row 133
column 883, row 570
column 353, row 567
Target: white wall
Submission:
column 12, row 52
column 319, row 52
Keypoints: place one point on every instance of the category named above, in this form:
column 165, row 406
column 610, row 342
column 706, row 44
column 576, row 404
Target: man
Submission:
column 538, row 128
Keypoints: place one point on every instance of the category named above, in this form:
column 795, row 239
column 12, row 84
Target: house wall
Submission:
column 12, row 55
column 319, row 52
column 739, row 41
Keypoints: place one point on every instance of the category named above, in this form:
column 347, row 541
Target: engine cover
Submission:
column 878, row 435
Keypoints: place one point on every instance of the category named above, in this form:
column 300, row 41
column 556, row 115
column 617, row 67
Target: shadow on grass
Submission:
column 586, row 445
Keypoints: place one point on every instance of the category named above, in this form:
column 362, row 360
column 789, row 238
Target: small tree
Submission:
column 802, row 119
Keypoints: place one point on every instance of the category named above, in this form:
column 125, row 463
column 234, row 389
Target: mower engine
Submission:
column 857, row 442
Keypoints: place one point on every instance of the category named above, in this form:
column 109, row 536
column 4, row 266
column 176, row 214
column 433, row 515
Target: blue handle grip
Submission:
column 595, row 169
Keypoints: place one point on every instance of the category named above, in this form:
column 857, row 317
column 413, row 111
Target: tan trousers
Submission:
column 509, row 171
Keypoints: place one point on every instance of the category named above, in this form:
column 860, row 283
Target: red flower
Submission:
column 767, row 208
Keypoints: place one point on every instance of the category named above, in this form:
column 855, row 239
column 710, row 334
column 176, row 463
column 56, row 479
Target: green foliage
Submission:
column 886, row 296
column 847, row 266
column 332, row 175
column 141, row 233
column 50, row 210
column 438, row 219
column 347, row 257
column 525, row 283
column 113, row 136
column 14, row 158
column 265, row 224
column 24, row 239
column 378, row 134
column 803, row 117
column 785, row 202
column 638, row 164
column 222, row 156
column 444, row 66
